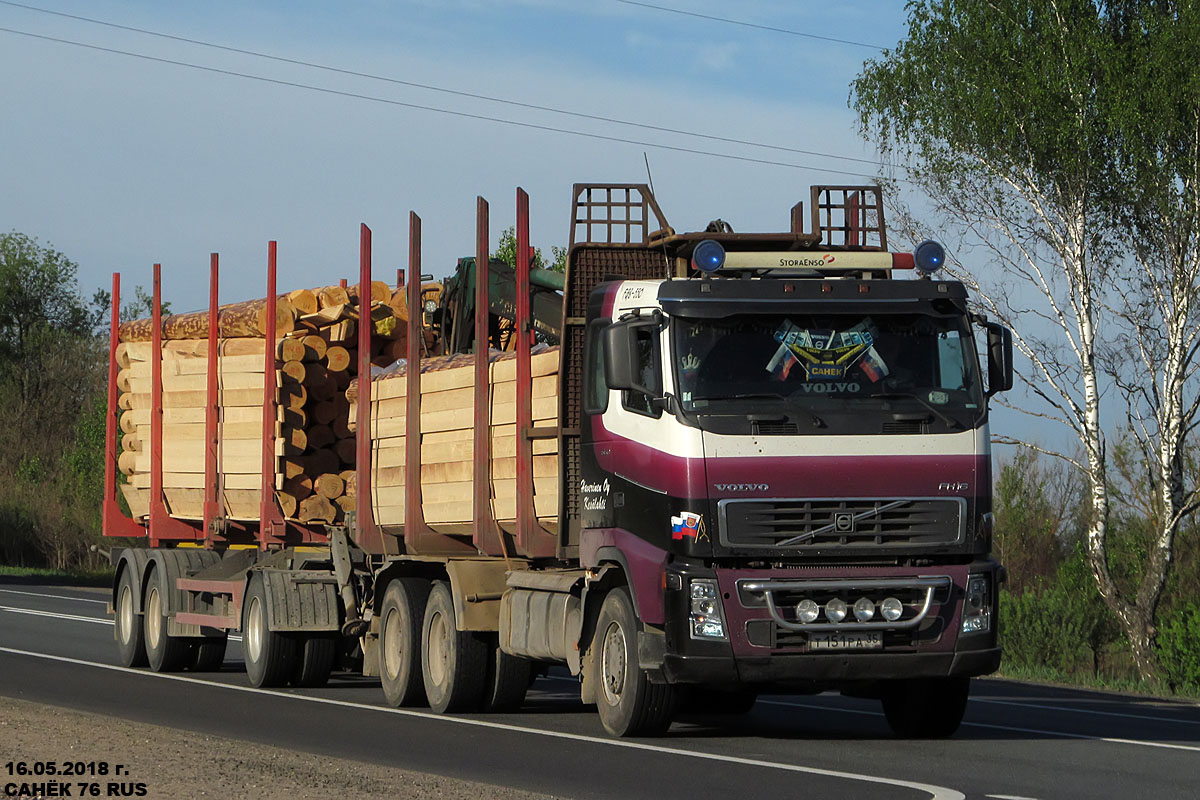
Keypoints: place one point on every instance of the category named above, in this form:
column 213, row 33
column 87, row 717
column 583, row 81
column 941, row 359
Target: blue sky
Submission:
column 120, row 162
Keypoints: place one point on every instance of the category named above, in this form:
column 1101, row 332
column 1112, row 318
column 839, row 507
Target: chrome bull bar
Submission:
column 768, row 589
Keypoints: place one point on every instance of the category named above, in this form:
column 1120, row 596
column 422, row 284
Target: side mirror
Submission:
column 1000, row 358
column 620, row 356
column 624, row 345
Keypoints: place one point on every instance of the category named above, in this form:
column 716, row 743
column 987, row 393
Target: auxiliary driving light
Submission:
column 864, row 609
column 891, row 608
column 807, row 610
column 835, row 610
column 928, row 257
column 709, row 256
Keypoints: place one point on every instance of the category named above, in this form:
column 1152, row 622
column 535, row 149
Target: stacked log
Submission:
column 447, row 432
column 315, row 360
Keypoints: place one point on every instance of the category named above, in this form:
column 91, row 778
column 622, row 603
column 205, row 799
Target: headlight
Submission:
column 707, row 620
column 835, row 610
column 977, row 605
column 807, row 610
column 891, row 608
column 864, row 609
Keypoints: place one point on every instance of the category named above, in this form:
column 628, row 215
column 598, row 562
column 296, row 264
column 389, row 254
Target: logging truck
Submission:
column 694, row 468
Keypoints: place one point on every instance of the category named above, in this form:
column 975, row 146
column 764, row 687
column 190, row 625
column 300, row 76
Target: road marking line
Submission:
column 935, row 792
column 1063, row 734
column 1009, row 797
column 55, row 596
column 56, row 615
column 1085, row 711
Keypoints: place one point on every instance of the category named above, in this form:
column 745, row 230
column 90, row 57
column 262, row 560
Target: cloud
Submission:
column 718, row 58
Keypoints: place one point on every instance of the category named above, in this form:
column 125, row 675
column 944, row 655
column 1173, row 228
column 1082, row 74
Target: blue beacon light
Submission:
column 928, row 257
column 709, row 256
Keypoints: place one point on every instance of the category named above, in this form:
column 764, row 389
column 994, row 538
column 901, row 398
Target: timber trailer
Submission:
column 752, row 462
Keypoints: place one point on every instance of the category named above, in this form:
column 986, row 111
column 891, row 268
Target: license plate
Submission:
column 866, row 640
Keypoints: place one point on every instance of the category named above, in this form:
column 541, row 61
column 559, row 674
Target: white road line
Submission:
column 55, row 596
column 1009, row 797
column 77, row 618
column 935, row 792
column 1038, row 731
column 56, row 615
column 1122, row 714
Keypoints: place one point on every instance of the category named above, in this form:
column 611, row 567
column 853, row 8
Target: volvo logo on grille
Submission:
column 742, row 487
column 843, row 522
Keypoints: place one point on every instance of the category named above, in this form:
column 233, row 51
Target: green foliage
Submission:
column 992, row 87
column 1063, row 625
column 506, row 251
column 52, row 380
column 1178, row 645
column 1035, row 506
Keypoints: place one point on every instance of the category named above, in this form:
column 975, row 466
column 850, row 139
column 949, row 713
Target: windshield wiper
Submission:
column 817, row 422
column 948, row 420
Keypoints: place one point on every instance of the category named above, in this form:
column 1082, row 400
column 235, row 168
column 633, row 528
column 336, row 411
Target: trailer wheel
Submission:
column 629, row 704
column 453, row 662
column 131, row 639
column 402, row 615
column 508, row 679
column 269, row 654
column 165, row 653
column 925, row 708
column 208, row 653
column 314, row 661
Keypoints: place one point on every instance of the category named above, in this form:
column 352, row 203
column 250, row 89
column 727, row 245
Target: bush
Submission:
column 1178, row 645
column 1061, row 625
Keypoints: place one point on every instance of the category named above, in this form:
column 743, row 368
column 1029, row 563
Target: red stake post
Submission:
column 113, row 522
column 532, row 539
column 487, row 534
column 162, row 525
column 213, row 511
column 367, row 533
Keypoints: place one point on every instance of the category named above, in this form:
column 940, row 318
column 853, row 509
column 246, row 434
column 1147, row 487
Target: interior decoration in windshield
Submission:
column 826, row 354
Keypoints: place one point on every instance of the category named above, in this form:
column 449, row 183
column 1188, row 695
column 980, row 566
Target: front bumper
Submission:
column 762, row 650
column 802, row 670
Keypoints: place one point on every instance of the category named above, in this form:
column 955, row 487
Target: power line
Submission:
column 770, row 28
column 444, row 90
column 416, row 106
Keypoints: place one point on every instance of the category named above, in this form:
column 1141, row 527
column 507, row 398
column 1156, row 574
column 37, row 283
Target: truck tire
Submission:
column 270, row 656
column 401, row 616
column 314, row 661
column 164, row 652
column 508, row 679
column 629, row 704
column 453, row 662
column 131, row 639
column 208, row 653
column 925, row 708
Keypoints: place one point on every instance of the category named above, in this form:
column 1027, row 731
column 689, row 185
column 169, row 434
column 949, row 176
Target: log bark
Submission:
column 238, row 320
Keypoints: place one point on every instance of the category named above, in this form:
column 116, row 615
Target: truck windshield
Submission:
column 912, row 364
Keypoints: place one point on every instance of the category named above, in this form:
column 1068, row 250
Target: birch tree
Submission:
column 1156, row 213
column 993, row 108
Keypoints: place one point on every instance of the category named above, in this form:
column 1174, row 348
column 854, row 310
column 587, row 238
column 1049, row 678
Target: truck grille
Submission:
column 846, row 522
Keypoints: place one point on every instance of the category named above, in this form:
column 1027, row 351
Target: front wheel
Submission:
column 629, row 704
column 925, row 708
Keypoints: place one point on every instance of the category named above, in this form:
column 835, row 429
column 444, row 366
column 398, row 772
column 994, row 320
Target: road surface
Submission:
column 1018, row 740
